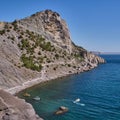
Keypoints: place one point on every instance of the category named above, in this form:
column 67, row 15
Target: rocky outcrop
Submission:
column 49, row 24
column 13, row 108
column 61, row 110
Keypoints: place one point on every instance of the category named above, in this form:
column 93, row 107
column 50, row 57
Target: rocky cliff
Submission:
column 51, row 26
column 32, row 50
column 13, row 108
column 39, row 48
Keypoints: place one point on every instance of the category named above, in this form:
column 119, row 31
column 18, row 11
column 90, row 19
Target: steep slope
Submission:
column 50, row 25
column 13, row 108
column 39, row 48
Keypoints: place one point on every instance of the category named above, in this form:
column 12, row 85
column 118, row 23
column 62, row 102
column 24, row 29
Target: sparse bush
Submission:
column 39, row 53
column 8, row 37
column 20, row 37
column 25, row 43
column 56, row 56
column 2, row 32
column 15, row 25
column 6, row 26
column 78, row 57
column 69, row 65
column 28, row 62
column 10, row 27
column 54, row 68
column 8, row 30
column 74, row 67
column 12, row 38
column 40, row 59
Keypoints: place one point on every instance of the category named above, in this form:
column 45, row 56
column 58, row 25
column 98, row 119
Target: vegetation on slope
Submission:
column 35, row 49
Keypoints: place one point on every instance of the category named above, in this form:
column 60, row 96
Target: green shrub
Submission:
column 28, row 62
column 2, row 32
column 20, row 37
column 39, row 53
column 15, row 25
column 54, row 68
column 78, row 57
column 69, row 65
column 6, row 26
column 8, row 30
column 56, row 56
column 25, row 43
column 40, row 59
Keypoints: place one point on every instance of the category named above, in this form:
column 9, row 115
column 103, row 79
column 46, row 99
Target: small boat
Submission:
column 77, row 100
column 36, row 98
column 26, row 95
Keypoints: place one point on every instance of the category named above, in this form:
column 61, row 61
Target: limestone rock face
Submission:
column 13, row 108
column 51, row 25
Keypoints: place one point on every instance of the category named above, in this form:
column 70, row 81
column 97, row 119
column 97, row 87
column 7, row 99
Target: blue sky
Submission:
column 93, row 24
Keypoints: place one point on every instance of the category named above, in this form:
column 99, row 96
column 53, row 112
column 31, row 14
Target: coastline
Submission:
column 47, row 76
column 42, row 79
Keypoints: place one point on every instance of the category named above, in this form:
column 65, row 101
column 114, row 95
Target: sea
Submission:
column 98, row 91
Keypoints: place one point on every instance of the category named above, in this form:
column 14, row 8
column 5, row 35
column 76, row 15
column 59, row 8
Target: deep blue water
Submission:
column 98, row 90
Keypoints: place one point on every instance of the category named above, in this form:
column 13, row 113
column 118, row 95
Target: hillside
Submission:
column 39, row 48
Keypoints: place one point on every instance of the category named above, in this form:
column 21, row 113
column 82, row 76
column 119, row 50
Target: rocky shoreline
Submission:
column 46, row 78
column 33, row 50
column 13, row 108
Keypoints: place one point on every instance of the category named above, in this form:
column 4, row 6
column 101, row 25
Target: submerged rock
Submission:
column 61, row 110
column 26, row 95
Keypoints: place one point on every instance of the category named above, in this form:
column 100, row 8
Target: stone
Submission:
column 61, row 110
column 26, row 95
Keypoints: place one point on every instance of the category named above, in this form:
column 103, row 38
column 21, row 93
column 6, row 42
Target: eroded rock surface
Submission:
column 13, row 108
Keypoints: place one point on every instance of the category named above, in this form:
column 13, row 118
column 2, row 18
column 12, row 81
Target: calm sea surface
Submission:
column 98, row 90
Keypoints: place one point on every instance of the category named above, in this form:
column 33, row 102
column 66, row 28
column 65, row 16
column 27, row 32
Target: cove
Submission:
column 98, row 90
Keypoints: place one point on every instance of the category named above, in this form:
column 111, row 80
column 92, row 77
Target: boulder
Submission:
column 61, row 110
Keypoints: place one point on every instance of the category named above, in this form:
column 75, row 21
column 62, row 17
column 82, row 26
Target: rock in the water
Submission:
column 61, row 110
column 26, row 95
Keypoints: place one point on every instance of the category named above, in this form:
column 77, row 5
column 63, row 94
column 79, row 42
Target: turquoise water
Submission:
column 98, row 90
